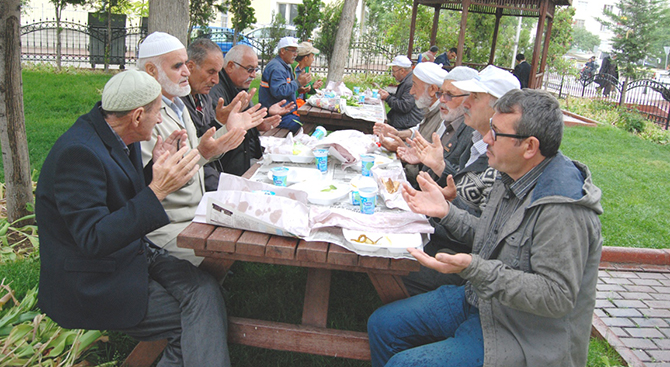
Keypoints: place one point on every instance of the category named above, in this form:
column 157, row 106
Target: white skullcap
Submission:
column 460, row 73
column 129, row 90
column 430, row 73
column 402, row 61
column 287, row 42
column 492, row 80
column 158, row 43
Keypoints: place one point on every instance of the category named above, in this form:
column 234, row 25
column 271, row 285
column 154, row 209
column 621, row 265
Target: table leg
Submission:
column 389, row 287
column 317, row 293
column 217, row 267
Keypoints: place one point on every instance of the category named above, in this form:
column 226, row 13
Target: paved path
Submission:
column 633, row 305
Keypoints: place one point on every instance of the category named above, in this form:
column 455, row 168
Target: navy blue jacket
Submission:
column 277, row 83
column 93, row 210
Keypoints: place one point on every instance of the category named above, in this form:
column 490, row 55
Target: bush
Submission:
column 631, row 121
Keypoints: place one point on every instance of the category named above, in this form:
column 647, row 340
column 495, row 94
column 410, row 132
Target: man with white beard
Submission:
column 164, row 57
column 441, row 152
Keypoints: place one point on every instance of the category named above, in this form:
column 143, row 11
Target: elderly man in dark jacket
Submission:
column 404, row 112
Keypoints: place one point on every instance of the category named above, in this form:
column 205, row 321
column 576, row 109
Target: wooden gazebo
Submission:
column 541, row 9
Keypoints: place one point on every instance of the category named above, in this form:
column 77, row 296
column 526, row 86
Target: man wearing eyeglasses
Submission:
column 533, row 266
column 279, row 83
column 240, row 67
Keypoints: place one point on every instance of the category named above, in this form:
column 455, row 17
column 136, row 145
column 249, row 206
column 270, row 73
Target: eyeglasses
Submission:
column 448, row 96
column 249, row 69
column 495, row 134
column 292, row 50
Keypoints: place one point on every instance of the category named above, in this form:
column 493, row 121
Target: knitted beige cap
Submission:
column 158, row 43
column 129, row 90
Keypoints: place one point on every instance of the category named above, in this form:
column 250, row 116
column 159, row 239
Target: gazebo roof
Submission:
column 526, row 8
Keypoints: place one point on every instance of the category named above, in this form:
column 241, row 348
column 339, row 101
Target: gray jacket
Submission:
column 536, row 298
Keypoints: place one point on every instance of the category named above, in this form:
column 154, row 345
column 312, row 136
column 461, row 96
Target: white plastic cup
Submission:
column 321, row 157
column 279, row 176
column 367, row 162
column 319, row 133
column 368, row 198
column 375, row 94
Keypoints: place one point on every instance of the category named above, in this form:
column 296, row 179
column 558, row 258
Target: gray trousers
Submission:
column 185, row 307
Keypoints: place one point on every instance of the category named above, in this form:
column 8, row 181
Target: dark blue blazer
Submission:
column 93, row 210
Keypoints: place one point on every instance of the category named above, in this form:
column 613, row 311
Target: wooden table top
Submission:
column 333, row 120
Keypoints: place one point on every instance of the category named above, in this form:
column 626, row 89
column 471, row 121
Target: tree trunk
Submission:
column 341, row 49
column 169, row 16
column 12, row 121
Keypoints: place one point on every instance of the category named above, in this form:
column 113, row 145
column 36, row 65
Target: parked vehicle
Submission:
column 220, row 35
column 262, row 35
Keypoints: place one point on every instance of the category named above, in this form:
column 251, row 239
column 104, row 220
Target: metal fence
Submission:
column 650, row 97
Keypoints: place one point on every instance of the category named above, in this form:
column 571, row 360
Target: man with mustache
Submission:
column 164, row 57
column 240, row 67
column 279, row 83
column 404, row 113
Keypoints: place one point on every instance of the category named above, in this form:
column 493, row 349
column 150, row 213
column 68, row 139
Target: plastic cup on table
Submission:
column 321, row 157
column 367, row 162
column 357, row 90
column 375, row 94
column 279, row 175
column 368, row 198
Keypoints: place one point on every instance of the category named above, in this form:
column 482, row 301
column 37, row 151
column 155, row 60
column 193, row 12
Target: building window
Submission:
column 582, row 5
column 289, row 11
column 579, row 23
column 607, row 8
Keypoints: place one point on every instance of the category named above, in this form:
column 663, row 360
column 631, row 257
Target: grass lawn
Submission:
column 632, row 174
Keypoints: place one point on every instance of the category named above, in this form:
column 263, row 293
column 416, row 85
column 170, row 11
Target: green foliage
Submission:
column 330, row 22
column 368, row 81
column 277, row 31
column 559, row 44
column 633, row 27
column 631, row 121
column 602, row 354
column 584, row 40
column 243, row 13
column 309, row 15
column 661, row 35
column 201, row 13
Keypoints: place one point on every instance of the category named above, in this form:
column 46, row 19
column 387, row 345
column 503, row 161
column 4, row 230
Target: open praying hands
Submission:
column 429, row 153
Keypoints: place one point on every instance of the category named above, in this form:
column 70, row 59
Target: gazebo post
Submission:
column 545, row 50
column 494, row 42
column 436, row 19
column 538, row 41
column 415, row 8
column 461, row 34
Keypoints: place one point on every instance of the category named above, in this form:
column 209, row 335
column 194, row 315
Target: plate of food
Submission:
column 375, row 241
column 323, row 192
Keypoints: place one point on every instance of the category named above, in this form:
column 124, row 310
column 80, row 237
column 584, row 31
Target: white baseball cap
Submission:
column 402, row 61
column 287, row 42
column 491, row 80
column 430, row 73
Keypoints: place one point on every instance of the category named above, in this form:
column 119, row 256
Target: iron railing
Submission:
column 650, row 97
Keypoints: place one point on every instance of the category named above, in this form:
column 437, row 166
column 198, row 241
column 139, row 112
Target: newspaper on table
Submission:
column 257, row 205
column 368, row 112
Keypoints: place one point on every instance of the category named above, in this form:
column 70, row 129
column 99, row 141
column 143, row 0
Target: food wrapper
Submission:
column 389, row 181
column 330, row 104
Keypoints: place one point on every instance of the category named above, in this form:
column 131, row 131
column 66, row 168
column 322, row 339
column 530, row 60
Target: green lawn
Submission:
column 632, row 173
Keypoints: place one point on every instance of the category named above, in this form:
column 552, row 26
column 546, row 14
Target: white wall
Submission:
column 588, row 11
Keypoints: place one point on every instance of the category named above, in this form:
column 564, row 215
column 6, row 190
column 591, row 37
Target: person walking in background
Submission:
column 522, row 70
column 609, row 74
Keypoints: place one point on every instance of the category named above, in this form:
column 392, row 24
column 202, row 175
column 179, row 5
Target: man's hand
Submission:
column 318, row 84
column 392, row 142
column 448, row 192
column 304, row 78
column 303, row 90
column 173, row 171
column 382, row 129
column 177, row 140
column 383, row 94
column 429, row 201
column 222, row 111
column 408, row 154
column 430, row 154
column 269, row 123
column 210, row 147
column 279, row 108
column 444, row 263
column 247, row 119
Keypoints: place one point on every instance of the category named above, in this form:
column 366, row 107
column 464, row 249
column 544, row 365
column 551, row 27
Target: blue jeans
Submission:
column 290, row 121
column 438, row 328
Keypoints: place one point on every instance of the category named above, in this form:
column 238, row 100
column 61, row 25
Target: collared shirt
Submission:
column 177, row 106
column 515, row 194
column 478, row 147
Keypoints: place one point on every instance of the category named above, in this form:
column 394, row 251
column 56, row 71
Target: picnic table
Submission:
column 334, row 120
column 223, row 246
